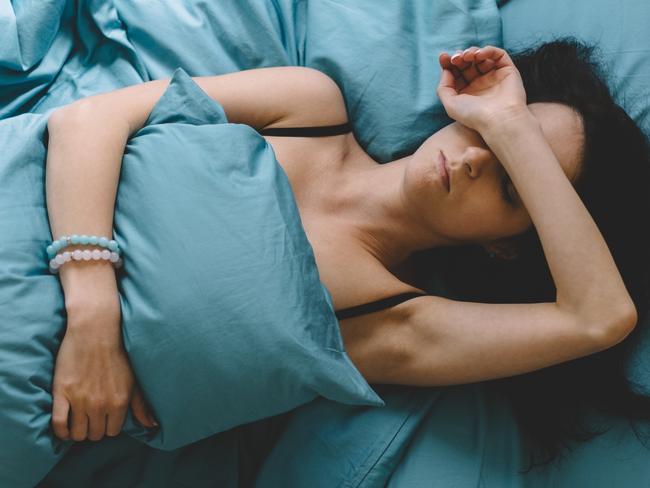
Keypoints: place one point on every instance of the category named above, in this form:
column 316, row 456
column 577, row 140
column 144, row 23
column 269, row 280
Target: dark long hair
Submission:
column 550, row 403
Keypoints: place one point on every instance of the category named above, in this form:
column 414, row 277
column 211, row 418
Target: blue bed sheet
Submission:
column 385, row 60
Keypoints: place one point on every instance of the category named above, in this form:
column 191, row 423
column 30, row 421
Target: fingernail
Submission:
column 155, row 423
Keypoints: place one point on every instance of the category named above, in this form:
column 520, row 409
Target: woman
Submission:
column 365, row 221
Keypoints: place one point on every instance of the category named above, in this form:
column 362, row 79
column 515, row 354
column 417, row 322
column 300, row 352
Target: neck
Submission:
column 369, row 200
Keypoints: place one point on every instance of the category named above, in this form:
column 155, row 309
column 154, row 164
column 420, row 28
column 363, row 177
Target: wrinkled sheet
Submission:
column 385, row 60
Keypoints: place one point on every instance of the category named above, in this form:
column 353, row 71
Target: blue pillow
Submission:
column 621, row 35
column 238, row 326
column 384, row 55
column 224, row 317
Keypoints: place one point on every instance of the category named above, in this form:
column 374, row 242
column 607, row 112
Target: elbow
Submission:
column 626, row 323
column 68, row 113
column 56, row 118
column 61, row 118
column 618, row 328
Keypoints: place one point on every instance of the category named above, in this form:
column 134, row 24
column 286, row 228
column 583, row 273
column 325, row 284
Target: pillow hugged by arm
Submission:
column 93, row 381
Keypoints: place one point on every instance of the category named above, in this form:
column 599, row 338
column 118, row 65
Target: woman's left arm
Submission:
column 587, row 280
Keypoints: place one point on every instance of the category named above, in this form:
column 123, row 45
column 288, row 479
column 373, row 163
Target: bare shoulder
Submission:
column 318, row 100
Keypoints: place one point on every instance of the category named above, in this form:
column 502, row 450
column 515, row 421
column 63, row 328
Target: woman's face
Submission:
column 482, row 204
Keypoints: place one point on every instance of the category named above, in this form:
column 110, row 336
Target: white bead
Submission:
column 106, row 254
column 114, row 257
column 67, row 256
column 53, row 264
column 76, row 255
column 87, row 255
column 59, row 259
column 97, row 254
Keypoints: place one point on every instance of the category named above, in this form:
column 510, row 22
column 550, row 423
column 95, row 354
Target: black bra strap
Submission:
column 318, row 131
column 376, row 305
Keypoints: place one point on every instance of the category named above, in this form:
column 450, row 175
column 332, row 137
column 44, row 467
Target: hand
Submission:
column 479, row 87
column 93, row 381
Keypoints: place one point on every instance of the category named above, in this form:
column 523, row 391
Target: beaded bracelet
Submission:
column 86, row 255
column 65, row 241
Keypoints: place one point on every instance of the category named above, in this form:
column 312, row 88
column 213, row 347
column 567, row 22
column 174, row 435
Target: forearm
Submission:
column 585, row 274
column 81, row 177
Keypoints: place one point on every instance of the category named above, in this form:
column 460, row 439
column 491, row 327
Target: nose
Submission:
column 475, row 160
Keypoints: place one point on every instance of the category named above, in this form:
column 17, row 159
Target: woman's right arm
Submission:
column 86, row 145
column 434, row 341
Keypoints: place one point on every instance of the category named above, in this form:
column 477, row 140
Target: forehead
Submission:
column 562, row 127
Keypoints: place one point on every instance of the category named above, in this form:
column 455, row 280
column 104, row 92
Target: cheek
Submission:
column 476, row 216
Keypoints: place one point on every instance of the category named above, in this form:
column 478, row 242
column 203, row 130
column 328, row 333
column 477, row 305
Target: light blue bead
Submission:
column 56, row 245
column 84, row 239
column 50, row 251
column 74, row 239
column 112, row 245
column 103, row 242
column 93, row 240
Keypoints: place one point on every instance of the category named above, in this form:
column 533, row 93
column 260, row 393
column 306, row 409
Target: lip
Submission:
column 444, row 170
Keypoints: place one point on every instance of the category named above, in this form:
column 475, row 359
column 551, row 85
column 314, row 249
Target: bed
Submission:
column 384, row 58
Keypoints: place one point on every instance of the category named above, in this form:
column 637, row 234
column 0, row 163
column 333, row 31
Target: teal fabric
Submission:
column 123, row 461
column 31, row 308
column 58, row 51
column 355, row 446
column 621, row 32
column 222, row 305
column 224, row 317
column 384, row 58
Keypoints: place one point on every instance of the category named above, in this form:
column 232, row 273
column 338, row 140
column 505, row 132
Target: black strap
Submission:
column 318, row 131
column 376, row 305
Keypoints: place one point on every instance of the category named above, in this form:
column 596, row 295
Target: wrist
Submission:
column 94, row 311
column 89, row 285
column 508, row 122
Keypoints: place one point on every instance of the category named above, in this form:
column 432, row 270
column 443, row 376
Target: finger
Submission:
column 96, row 425
column 457, row 60
column 468, row 54
column 498, row 55
column 445, row 63
column 446, row 86
column 471, row 73
column 459, row 77
column 140, row 409
column 78, row 423
column 151, row 417
column 447, row 91
column 485, row 67
column 445, row 60
column 115, row 421
column 60, row 409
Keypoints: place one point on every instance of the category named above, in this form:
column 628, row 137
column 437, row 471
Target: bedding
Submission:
column 385, row 61
column 224, row 318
